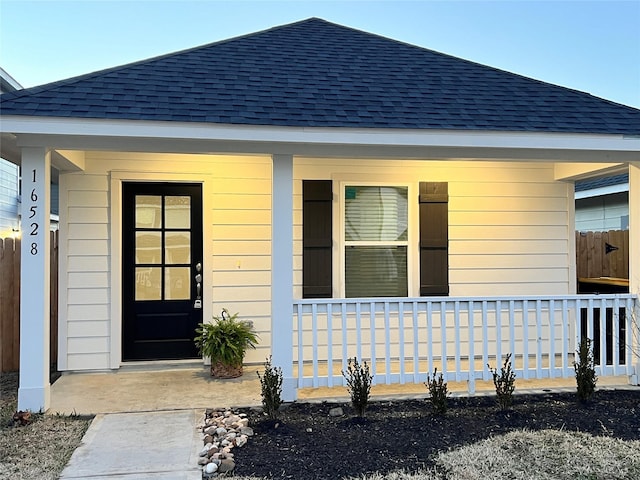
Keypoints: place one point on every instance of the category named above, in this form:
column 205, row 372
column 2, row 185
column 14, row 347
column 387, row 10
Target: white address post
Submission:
column 34, row 389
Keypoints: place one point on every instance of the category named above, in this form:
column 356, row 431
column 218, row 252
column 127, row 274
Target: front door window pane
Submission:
column 148, row 247
column 148, row 283
column 177, row 212
column 148, row 211
column 177, row 247
column 177, row 283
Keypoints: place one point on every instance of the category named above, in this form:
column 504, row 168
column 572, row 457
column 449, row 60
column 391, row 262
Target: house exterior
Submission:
column 603, row 204
column 10, row 179
column 351, row 194
column 9, row 198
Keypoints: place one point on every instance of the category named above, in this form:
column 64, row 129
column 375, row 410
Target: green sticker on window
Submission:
column 350, row 193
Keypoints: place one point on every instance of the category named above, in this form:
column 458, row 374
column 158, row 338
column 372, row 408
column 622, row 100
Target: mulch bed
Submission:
column 307, row 444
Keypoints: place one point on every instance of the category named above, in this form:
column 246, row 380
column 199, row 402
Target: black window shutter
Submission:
column 434, row 238
column 317, row 263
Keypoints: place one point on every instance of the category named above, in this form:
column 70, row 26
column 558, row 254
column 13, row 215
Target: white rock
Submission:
column 248, row 431
column 211, row 468
column 220, row 431
column 241, row 441
column 244, row 422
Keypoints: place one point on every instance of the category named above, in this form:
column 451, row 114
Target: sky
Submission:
column 591, row 46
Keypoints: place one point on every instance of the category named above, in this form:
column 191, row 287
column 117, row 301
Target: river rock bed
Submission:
column 222, row 430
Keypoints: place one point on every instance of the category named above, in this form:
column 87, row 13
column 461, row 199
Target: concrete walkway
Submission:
column 145, row 418
column 141, row 446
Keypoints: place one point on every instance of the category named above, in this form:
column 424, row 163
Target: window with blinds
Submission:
column 375, row 241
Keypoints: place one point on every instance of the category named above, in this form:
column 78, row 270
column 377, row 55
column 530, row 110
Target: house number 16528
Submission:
column 33, row 232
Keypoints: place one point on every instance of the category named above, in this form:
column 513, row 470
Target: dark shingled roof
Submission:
column 314, row 73
column 602, row 182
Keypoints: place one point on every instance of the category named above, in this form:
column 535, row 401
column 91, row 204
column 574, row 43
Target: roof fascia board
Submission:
column 91, row 133
column 597, row 192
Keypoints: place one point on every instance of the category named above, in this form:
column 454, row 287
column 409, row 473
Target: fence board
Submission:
column 10, row 303
column 592, row 261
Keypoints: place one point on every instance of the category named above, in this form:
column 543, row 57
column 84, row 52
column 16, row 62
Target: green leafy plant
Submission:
column 271, row 384
column 505, row 383
column 438, row 391
column 358, row 379
column 586, row 377
column 225, row 341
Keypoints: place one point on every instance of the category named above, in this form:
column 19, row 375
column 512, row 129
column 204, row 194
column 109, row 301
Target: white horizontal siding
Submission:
column 86, row 235
column 508, row 232
column 508, row 221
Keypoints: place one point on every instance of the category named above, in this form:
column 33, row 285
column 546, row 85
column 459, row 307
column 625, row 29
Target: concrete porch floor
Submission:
column 188, row 385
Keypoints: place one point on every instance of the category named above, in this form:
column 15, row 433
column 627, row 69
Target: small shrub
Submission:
column 505, row 383
column 271, row 383
column 438, row 392
column 585, row 371
column 358, row 384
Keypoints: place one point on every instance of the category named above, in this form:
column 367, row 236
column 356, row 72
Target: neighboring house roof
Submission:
column 602, row 186
column 314, row 73
column 7, row 82
column 603, row 182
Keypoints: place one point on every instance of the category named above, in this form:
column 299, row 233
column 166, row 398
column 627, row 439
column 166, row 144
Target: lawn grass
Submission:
column 41, row 449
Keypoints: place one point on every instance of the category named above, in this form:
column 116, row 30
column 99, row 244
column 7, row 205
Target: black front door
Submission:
column 161, row 269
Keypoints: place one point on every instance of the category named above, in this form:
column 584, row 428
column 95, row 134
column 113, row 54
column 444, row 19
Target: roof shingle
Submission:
column 315, row 73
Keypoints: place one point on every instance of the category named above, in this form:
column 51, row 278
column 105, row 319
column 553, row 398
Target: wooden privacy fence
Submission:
column 10, row 303
column 602, row 254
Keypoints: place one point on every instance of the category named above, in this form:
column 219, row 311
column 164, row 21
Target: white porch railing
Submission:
column 404, row 339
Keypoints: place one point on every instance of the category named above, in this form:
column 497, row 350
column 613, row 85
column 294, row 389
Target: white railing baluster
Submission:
column 498, row 332
column 456, row 323
column 512, row 328
column 539, row 338
column 387, row 344
column 603, row 337
column 430, row 333
column 300, row 347
column 565, row 339
column 416, row 348
column 345, row 338
column 314, row 333
column 372, row 331
column 330, row 345
column 632, row 310
column 552, row 339
column 359, row 331
column 472, row 357
column 615, row 337
column 401, row 340
column 525, row 338
column 443, row 335
column 485, row 342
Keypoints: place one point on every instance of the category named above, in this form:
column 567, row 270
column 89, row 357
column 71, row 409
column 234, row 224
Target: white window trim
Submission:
column 413, row 237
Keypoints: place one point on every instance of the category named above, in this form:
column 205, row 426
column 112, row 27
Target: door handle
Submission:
column 198, row 278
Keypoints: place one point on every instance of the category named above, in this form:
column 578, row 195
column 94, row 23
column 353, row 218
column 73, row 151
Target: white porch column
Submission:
column 34, row 389
column 282, row 272
column 634, row 228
